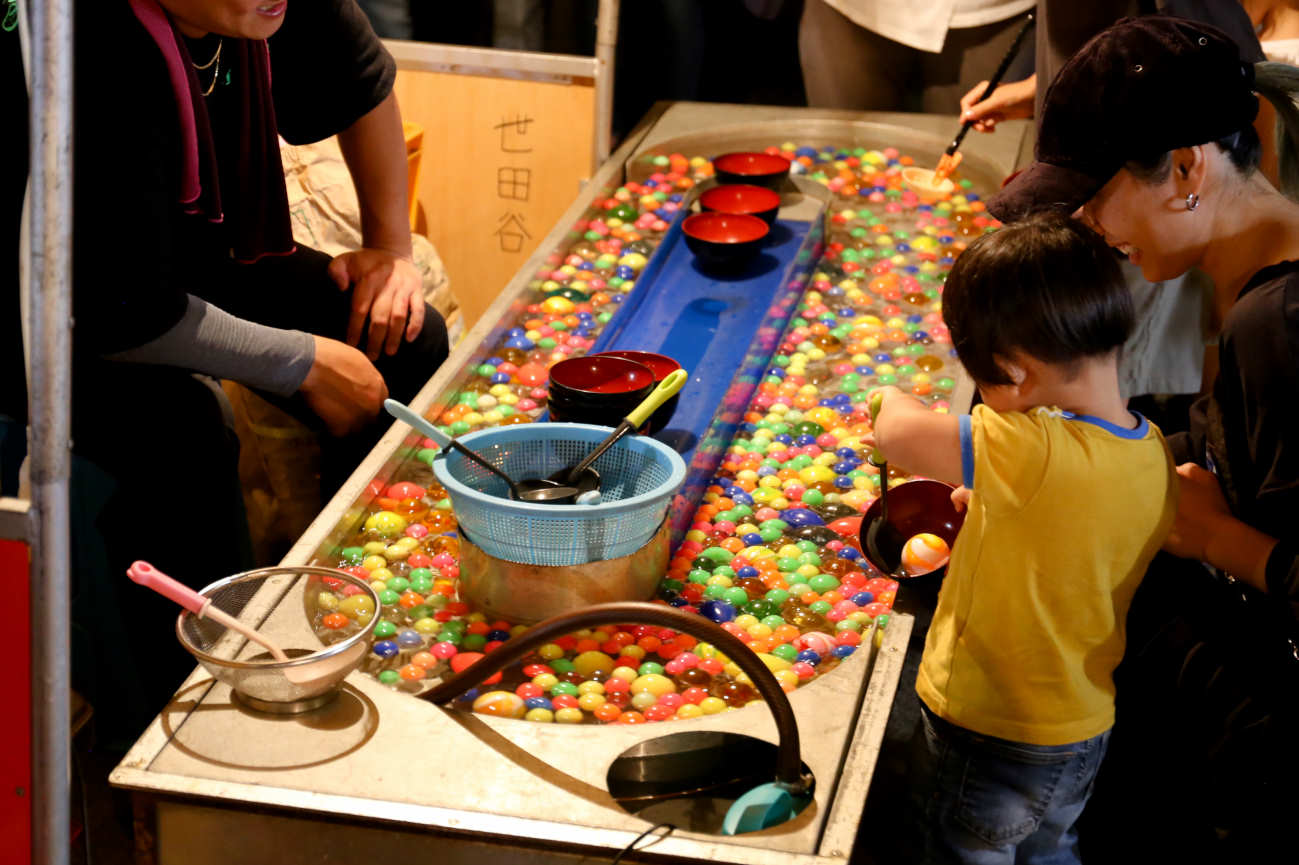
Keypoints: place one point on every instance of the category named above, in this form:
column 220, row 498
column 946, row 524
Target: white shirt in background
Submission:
column 1282, row 50
column 923, row 24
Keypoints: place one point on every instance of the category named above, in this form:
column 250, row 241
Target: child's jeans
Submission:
column 988, row 801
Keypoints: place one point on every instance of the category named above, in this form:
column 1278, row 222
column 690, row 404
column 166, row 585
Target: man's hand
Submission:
column 387, row 288
column 343, row 388
column 1008, row 102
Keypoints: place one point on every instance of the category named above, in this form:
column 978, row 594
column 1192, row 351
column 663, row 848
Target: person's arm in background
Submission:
column 387, row 286
column 333, row 76
column 1012, row 101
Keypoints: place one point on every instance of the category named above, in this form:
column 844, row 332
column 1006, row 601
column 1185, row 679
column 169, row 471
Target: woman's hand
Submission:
column 387, row 288
column 343, row 387
column 1201, row 509
column 1008, row 102
column 1206, row 530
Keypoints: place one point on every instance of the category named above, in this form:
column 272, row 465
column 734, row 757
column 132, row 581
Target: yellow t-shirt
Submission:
column 1065, row 514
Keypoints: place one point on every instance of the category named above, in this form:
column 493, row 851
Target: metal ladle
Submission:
column 582, row 477
column 404, row 413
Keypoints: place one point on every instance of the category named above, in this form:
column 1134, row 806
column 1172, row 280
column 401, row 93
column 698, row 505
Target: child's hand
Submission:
column 960, row 498
column 886, row 393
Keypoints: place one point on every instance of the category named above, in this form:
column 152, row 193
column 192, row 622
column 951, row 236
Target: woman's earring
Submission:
column 1192, row 200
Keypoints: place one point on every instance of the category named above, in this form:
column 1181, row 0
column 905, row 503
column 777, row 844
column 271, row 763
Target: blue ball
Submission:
column 846, row 453
column 385, row 648
column 784, row 438
column 808, row 656
column 861, row 599
column 678, row 601
column 802, row 516
column 498, row 635
column 805, row 440
column 718, row 611
column 538, row 703
column 849, row 554
column 883, row 357
column 494, row 360
column 410, row 638
column 843, row 482
column 500, row 378
column 753, row 539
column 843, row 651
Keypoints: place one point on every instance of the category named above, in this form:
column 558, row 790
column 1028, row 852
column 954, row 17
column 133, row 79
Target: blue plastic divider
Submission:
column 723, row 329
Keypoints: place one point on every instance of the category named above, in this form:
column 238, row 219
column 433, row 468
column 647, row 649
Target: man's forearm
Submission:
column 375, row 150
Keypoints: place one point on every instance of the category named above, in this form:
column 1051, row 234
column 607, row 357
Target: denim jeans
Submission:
column 988, row 801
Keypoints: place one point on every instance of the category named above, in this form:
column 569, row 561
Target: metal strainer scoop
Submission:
column 220, row 617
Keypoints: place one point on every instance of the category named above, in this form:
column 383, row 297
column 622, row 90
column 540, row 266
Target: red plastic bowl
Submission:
column 742, row 198
column 724, row 241
column 760, row 169
column 662, row 366
column 596, row 375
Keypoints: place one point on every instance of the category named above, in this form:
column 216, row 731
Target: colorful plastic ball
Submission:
column 924, row 553
column 501, row 704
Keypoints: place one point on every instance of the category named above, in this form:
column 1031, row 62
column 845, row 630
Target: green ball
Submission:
column 777, row 596
column 351, row 555
column 773, row 621
column 561, row 665
column 475, row 642
column 398, row 584
column 649, row 668
column 820, row 607
column 735, row 595
column 563, row 688
column 389, row 677
column 785, row 652
column 823, row 582
column 388, row 597
column 384, row 628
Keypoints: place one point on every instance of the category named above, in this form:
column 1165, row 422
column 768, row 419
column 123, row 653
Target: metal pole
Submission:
column 606, row 41
column 50, row 238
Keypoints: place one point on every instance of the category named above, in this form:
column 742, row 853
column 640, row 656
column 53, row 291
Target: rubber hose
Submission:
column 788, row 759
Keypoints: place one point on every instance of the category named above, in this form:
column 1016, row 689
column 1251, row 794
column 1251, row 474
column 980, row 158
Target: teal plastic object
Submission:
column 763, row 807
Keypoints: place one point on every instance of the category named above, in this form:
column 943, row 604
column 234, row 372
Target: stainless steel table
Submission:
column 378, row 776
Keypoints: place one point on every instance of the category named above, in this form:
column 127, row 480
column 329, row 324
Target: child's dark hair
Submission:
column 1047, row 286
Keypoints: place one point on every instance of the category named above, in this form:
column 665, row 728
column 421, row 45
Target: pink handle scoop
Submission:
column 147, row 575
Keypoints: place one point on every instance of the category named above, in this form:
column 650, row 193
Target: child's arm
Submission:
column 921, row 441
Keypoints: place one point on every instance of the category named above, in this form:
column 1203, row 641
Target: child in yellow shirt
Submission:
column 1070, row 497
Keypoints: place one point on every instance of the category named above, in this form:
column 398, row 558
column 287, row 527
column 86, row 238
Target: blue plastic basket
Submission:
column 638, row 477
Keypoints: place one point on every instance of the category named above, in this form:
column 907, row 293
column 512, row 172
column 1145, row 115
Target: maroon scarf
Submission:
column 258, row 205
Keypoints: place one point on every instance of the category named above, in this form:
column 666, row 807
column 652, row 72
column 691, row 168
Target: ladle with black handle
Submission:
column 884, row 543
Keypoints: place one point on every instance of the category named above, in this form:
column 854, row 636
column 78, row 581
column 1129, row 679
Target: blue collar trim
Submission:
column 1140, row 432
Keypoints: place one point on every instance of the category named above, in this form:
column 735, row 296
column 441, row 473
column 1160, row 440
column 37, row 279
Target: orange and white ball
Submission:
column 925, row 553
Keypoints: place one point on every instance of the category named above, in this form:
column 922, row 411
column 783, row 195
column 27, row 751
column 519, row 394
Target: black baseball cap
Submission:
column 1141, row 88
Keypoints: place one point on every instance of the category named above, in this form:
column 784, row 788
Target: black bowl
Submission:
column 604, row 412
column 742, row 198
column 723, row 241
column 915, row 507
column 760, row 169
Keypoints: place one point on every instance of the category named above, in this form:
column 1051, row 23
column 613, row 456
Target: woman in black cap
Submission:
column 1146, row 136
